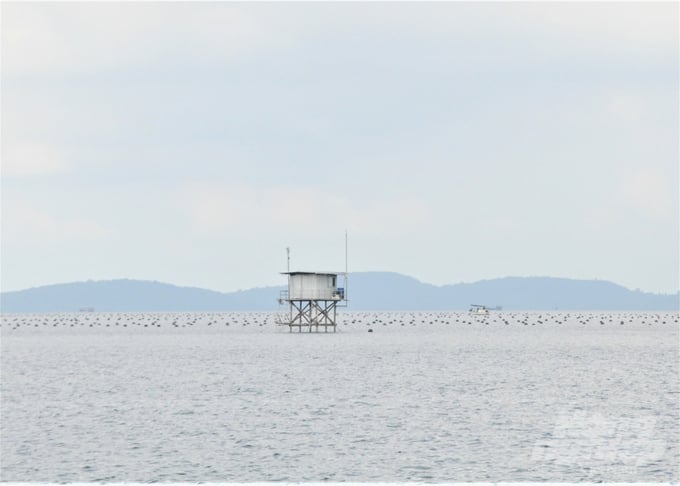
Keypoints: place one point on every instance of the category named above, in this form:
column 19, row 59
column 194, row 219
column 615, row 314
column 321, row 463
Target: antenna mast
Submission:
column 346, row 274
column 345, row 251
column 288, row 258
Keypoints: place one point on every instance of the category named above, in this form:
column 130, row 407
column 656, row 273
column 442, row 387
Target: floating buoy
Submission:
column 370, row 330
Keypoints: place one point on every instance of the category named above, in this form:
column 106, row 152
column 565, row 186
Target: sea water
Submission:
column 424, row 397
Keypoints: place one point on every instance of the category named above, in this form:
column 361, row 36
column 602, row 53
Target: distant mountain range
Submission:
column 367, row 291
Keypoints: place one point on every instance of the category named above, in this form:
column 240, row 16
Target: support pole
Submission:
column 346, row 296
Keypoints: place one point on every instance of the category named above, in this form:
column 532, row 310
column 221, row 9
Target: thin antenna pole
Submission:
column 346, row 274
column 345, row 251
column 288, row 258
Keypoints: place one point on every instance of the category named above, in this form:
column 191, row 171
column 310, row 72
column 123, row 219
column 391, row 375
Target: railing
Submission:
column 316, row 294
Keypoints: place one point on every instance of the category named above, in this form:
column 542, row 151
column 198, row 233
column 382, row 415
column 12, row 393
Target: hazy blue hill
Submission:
column 393, row 291
column 132, row 296
column 378, row 290
column 558, row 293
column 367, row 291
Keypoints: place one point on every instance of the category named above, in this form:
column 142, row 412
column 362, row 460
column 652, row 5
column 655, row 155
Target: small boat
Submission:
column 479, row 310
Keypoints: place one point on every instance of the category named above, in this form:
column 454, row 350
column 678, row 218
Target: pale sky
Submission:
column 191, row 143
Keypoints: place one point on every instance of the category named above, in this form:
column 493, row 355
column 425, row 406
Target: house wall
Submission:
column 311, row 287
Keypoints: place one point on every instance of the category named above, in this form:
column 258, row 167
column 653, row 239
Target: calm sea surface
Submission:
column 424, row 397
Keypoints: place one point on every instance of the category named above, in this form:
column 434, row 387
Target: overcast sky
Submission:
column 190, row 143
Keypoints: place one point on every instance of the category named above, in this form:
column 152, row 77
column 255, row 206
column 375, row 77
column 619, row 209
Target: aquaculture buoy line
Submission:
column 152, row 321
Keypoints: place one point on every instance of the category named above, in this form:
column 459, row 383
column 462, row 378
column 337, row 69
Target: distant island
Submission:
column 367, row 291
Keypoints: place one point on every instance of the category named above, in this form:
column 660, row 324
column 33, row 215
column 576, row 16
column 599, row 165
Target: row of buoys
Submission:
column 141, row 320
column 152, row 320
